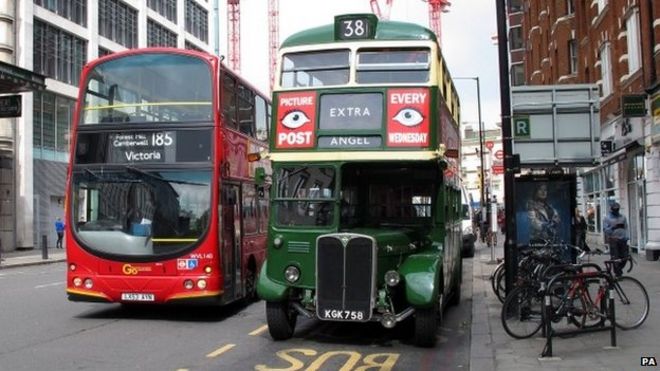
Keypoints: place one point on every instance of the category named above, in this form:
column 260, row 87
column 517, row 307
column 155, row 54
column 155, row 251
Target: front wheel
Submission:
column 631, row 303
column 522, row 313
column 281, row 319
column 426, row 325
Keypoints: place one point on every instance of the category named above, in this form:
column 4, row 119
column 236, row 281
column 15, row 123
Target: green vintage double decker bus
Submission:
column 365, row 199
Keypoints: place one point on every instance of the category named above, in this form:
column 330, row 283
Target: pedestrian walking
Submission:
column 615, row 227
column 580, row 231
column 59, row 228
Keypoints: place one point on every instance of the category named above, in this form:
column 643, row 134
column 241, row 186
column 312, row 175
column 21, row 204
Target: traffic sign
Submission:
column 490, row 144
column 499, row 154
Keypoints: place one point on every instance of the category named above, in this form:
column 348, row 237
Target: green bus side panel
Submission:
column 267, row 289
column 421, row 274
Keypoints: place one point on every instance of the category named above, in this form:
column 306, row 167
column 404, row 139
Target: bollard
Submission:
column 44, row 247
column 610, row 302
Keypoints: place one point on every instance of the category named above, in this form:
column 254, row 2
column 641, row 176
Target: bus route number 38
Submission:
column 354, row 29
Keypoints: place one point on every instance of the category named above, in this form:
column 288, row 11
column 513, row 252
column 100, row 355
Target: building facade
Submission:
column 471, row 164
column 615, row 44
column 56, row 38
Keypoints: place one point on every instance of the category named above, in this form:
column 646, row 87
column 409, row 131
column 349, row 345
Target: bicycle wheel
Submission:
column 586, row 310
column 631, row 303
column 500, row 286
column 493, row 276
column 521, row 313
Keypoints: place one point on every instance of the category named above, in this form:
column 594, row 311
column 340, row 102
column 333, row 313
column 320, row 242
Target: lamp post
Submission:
column 484, row 196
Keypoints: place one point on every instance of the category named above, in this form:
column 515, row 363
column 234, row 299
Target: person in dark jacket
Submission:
column 615, row 227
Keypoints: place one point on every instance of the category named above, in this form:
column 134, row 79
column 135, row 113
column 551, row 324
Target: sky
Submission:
column 466, row 41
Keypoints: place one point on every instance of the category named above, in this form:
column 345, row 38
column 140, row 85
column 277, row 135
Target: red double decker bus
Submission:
column 162, row 203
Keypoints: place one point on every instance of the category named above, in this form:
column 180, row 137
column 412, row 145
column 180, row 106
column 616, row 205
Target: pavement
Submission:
column 21, row 258
column 491, row 348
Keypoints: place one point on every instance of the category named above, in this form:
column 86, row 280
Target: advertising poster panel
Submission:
column 543, row 211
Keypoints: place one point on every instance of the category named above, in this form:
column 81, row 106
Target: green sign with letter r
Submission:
column 521, row 127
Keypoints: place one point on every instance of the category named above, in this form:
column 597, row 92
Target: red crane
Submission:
column 273, row 36
column 234, row 34
column 383, row 13
column 436, row 8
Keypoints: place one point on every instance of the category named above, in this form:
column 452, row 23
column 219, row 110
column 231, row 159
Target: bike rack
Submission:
column 549, row 333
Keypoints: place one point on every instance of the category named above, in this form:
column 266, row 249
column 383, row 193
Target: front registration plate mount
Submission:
column 137, row 296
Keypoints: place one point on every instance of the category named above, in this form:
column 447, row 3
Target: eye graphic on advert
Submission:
column 295, row 119
column 408, row 117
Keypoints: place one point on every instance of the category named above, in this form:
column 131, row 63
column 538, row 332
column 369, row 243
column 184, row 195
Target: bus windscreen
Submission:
column 148, row 87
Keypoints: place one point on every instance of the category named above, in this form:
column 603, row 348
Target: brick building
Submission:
column 615, row 44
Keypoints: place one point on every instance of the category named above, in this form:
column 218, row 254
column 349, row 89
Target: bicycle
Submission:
column 573, row 296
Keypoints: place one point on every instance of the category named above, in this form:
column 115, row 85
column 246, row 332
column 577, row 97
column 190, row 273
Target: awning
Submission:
column 14, row 79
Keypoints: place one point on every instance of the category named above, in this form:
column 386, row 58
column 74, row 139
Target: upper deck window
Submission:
column 393, row 66
column 148, row 88
column 320, row 68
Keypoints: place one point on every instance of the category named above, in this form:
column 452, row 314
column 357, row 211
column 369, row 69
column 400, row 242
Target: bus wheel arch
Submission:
column 421, row 275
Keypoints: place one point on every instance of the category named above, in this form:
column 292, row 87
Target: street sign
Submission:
column 10, row 106
column 498, row 169
column 521, row 127
column 605, row 147
column 499, row 154
column 490, row 144
column 633, row 105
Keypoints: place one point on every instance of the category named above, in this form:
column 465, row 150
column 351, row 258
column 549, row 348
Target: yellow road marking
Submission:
column 259, row 331
column 219, row 351
column 182, row 369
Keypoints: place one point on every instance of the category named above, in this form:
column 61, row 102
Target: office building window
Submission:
column 516, row 36
column 158, row 35
column 51, row 125
column 73, row 10
column 57, row 54
column 517, row 75
column 197, row 22
column 572, row 56
column 166, row 8
column 605, row 70
column 118, row 22
column 103, row 52
column 192, row 46
column 515, row 6
column 633, row 41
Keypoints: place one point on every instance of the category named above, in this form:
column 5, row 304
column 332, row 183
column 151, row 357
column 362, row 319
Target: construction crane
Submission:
column 383, row 13
column 273, row 37
column 436, row 8
column 234, row 34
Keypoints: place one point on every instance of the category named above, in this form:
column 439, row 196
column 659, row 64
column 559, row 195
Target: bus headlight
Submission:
column 88, row 283
column 292, row 273
column 72, row 267
column 392, row 278
column 201, row 284
column 188, row 284
column 77, row 281
column 278, row 241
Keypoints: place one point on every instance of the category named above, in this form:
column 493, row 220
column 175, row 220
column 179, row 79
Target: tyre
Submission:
column 500, row 285
column 426, row 325
column 493, row 276
column 281, row 319
column 456, row 290
column 522, row 313
column 631, row 303
column 250, row 286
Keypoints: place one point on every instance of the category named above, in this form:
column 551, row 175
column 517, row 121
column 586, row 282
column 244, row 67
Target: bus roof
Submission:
column 385, row 30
